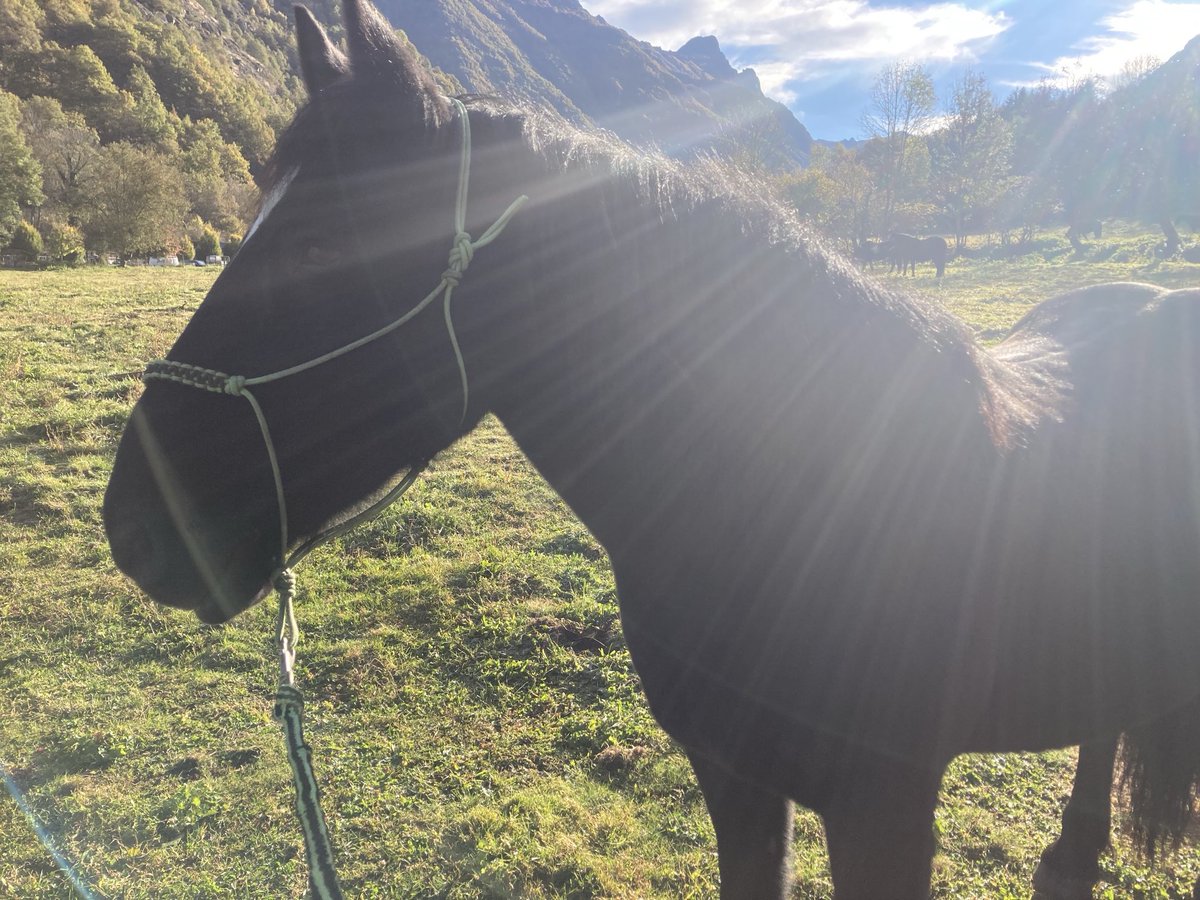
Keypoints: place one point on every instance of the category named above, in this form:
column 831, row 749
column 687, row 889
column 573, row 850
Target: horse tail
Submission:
column 1160, row 771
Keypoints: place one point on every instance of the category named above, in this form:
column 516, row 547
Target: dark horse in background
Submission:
column 849, row 542
column 906, row 250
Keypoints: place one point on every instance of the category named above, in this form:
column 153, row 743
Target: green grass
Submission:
column 478, row 728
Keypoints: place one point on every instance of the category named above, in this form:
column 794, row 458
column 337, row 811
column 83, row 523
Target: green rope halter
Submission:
column 289, row 703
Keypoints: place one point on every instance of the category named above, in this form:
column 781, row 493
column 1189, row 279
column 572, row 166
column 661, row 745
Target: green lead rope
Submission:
column 289, row 712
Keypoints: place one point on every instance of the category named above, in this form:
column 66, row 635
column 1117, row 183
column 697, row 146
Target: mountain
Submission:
column 555, row 54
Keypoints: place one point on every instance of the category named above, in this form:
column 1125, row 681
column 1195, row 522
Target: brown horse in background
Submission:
column 906, row 250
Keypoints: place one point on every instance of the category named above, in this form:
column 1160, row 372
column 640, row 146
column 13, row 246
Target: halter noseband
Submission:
column 461, row 254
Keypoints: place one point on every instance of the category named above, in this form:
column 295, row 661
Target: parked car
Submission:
column 199, row 262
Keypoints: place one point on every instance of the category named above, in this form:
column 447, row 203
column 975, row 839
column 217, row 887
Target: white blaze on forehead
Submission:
column 272, row 200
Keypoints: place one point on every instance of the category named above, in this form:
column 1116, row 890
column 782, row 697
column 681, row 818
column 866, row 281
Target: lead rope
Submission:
column 289, row 702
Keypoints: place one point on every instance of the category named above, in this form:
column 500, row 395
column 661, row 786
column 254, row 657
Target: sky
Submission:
column 820, row 57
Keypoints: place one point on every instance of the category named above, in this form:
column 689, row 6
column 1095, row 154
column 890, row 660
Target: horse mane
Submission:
column 1010, row 403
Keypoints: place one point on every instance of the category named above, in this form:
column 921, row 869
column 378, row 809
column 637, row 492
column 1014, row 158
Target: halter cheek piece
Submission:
column 288, row 702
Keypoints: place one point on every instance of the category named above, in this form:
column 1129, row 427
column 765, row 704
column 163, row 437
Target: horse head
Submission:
column 355, row 228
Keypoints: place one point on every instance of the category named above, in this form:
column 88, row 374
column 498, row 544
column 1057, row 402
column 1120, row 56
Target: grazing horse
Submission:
column 849, row 542
column 905, row 251
column 870, row 252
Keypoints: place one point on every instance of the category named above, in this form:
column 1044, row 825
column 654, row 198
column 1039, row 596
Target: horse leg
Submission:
column 1071, row 865
column 754, row 831
column 883, row 849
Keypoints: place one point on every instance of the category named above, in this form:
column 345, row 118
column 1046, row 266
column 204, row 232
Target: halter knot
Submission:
column 461, row 254
column 285, row 583
column 235, row 385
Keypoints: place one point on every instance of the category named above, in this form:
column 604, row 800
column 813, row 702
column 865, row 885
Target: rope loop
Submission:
column 287, row 631
column 235, row 385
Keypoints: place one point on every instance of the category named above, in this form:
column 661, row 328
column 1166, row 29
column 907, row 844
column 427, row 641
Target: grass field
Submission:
column 478, row 728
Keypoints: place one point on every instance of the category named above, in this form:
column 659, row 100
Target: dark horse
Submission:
column 905, row 251
column 849, row 543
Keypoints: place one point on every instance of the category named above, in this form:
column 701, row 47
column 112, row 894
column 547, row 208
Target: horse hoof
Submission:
column 1049, row 884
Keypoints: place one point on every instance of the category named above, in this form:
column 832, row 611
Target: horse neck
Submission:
column 680, row 355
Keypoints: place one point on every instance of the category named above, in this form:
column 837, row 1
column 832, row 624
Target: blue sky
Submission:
column 820, row 57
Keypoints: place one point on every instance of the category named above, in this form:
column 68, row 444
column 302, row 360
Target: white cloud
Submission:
column 810, row 29
column 1155, row 28
column 787, row 41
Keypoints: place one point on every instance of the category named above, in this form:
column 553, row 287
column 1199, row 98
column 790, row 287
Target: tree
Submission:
column 1064, row 150
column 207, row 243
column 834, row 193
column 1135, row 70
column 65, row 147
column 1155, row 131
column 26, row 239
column 64, row 243
column 20, row 174
column 148, row 121
column 970, row 155
column 902, row 103
column 137, row 202
column 217, row 177
column 21, row 23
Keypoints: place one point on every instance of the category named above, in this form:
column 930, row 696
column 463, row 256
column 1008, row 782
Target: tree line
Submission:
column 1052, row 155
column 134, row 128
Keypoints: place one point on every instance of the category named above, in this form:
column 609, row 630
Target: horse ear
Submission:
column 321, row 63
column 376, row 53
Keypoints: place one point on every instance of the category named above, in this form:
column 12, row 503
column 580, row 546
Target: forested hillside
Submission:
column 142, row 123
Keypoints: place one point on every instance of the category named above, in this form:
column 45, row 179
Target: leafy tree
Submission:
column 26, row 239
column 970, row 155
column 137, row 204
column 149, row 121
column 76, row 77
column 21, row 24
column 1135, row 70
column 902, row 104
column 65, row 147
column 217, row 177
column 1154, row 124
column 208, row 243
column 1063, row 147
column 834, row 193
column 64, row 243
column 20, row 174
